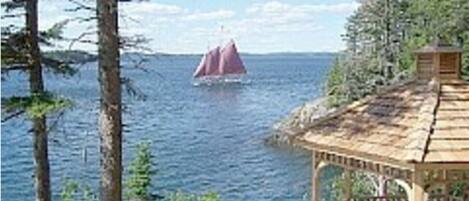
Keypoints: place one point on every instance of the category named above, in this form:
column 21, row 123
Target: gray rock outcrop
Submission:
column 297, row 121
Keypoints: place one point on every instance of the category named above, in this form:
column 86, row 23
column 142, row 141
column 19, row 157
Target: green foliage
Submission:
column 15, row 52
column 181, row 196
column 380, row 39
column 69, row 190
column 36, row 105
column 466, row 59
column 73, row 191
column 363, row 185
column 53, row 33
column 8, row 6
column 139, row 184
column 71, row 56
column 458, row 188
column 335, row 85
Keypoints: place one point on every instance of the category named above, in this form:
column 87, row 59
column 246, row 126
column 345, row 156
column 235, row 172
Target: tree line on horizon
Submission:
column 380, row 38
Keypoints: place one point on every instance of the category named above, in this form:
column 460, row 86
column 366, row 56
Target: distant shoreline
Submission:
column 81, row 56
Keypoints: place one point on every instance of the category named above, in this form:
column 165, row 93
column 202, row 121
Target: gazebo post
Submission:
column 347, row 184
column 405, row 186
column 418, row 191
column 315, row 182
column 466, row 193
column 446, row 185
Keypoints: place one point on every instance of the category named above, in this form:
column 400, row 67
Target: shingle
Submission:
column 408, row 122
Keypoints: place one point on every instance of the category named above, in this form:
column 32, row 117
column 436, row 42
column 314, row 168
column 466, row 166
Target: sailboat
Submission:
column 220, row 65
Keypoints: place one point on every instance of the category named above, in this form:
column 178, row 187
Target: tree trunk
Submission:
column 388, row 67
column 110, row 122
column 41, row 160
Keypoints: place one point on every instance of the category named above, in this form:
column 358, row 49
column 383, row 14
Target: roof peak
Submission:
column 439, row 46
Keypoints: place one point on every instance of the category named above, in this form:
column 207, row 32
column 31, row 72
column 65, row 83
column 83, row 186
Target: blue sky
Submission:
column 192, row 26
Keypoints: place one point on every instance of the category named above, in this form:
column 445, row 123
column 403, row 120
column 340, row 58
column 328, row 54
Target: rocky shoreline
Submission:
column 298, row 120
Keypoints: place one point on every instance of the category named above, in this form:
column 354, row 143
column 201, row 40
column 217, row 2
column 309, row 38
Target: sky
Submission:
column 194, row 26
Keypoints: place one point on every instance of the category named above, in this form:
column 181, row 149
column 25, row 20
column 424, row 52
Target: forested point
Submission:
column 72, row 56
column 381, row 37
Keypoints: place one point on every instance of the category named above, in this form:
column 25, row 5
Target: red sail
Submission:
column 231, row 62
column 209, row 63
column 200, row 71
column 218, row 62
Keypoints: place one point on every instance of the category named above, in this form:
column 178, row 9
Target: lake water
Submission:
column 203, row 138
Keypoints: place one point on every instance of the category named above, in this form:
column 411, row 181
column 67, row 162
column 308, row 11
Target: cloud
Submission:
column 212, row 15
column 258, row 26
column 277, row 17
column 275, row 8
column 151, row 8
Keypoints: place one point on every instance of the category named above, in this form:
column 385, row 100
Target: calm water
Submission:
column 203, row 138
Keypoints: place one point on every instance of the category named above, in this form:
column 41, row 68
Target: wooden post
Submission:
column 458, row 65
column 436, row 66
column 466, row 193
column 418, row 191
column 446, row 185
column 347, row 184
column 315, row 190
column 406, row 186
column 317, row 165
column 383, row 187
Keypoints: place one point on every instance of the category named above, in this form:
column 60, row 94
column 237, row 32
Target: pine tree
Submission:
column 110, row 115
column 21, row 51
column 381, row 36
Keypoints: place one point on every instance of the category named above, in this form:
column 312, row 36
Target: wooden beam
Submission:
column 347, row 184
column 446, row 186
column 458, row 64
column 315, row 188
column 317, row 166
column 436, row 66
column 354, row 154
column 446, row 166
column 418, row 191
column 466, row 193
column 352, row 163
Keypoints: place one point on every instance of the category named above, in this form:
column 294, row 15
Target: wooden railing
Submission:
column 445, row 198
column 380, row 198
column 403, row 198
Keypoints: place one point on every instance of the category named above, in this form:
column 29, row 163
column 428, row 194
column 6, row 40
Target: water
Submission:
column 203, row 138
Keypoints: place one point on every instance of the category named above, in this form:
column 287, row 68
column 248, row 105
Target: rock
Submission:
column 297, row 121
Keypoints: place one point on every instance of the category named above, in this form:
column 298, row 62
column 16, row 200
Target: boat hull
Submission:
column 221, row 80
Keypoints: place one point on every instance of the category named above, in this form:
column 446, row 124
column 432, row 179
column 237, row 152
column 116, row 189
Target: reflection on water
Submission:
column 204, row 138
column 227, row 93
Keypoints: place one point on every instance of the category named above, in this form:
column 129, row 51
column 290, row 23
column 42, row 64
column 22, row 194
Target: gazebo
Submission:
column 415, row 133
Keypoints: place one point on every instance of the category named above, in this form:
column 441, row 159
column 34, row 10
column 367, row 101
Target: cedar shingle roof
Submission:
column 416, row 121
column 449, row 141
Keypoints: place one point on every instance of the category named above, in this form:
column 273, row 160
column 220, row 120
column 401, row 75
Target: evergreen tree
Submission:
column 21, row 51
column 110, row 114
column 381, row 36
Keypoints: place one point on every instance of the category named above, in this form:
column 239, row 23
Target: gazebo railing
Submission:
column 379, row 198
column 403, row 198
column 445, row 198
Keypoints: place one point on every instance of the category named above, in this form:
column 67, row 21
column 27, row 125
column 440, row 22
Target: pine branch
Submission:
column 79, row 39
column 36, row 105
column 80, row 6
column 13, row 115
